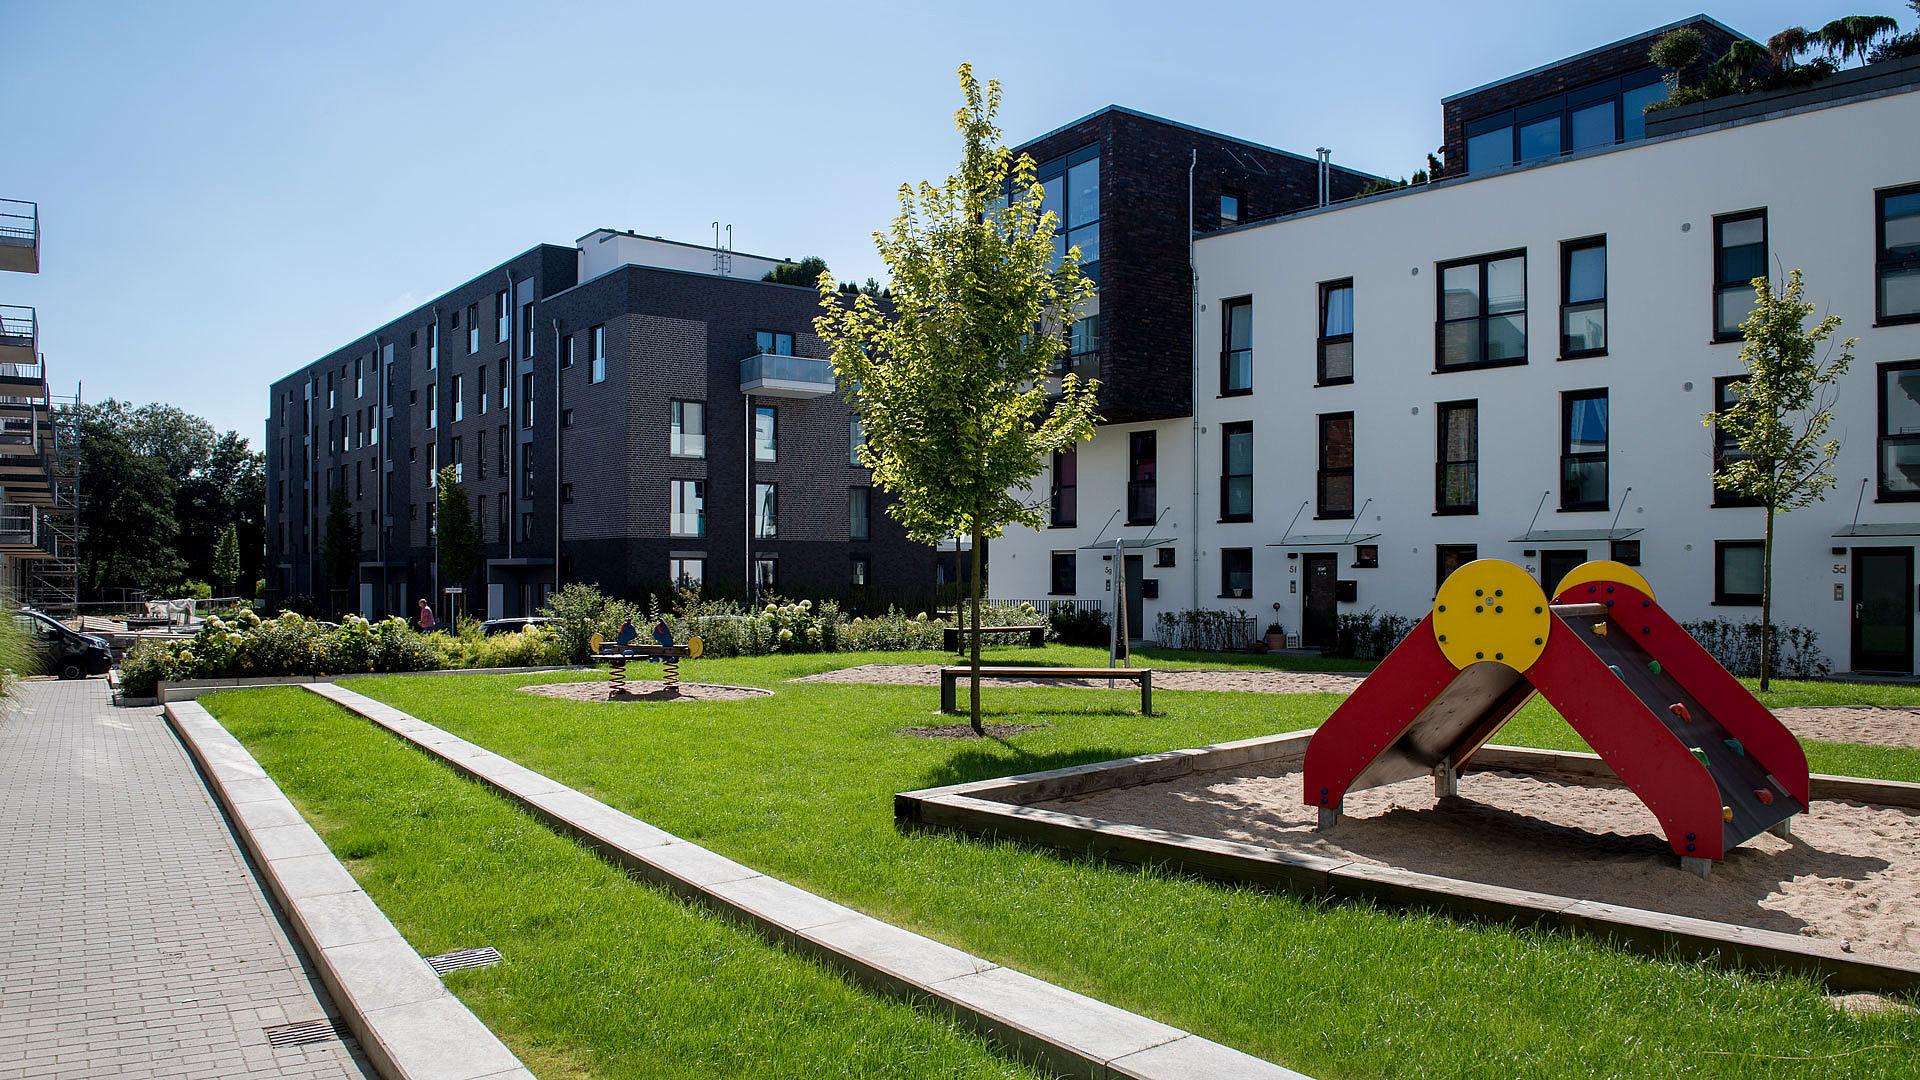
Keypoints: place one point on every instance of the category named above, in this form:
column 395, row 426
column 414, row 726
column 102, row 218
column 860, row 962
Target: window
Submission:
column 1450, row 557
column 1897, row 254
column 856, row 438
column 859, row 502
column 766, row 511
column 333, row 396
column 1597, row 114
column 459, row 398
column 506, row 469
column 1900, row 431
column 1739, row 568
column 480, row 380
column 457, row 459
column 597, row 354
column 859, row 575
column 1063, row 578
column 1236, row 472
column 1070, row 187
column 689, row 435
column 1725, row 450
column 433, row 464
column 766, row 574
column 566, row 355
column 473, row 327
column 1739, row 256
column 1336, row 332
column 1229, row 208
column 1624, row 552
column 686, row 573
column 526, row 470
column 1236, row 347
column 763, row 433
column 566, row 418
column 480, row 454
column 1483, row 312
column 1456, row 481
column 526, row 329
column 526, row 526
column 1065, row 497
column 773, row 342
column 688, row 509
column 1583, row 450
column 359, row 380
column 1583, row 298
column 502, row 317
column 1336, row 466
column 503, row 386
column 502, row 521
column 433, row 346
column 1236, row 572
column 1083, row 346
column 1366, row 556
column 1143, row 499
column 433, row 404
column 526, row 400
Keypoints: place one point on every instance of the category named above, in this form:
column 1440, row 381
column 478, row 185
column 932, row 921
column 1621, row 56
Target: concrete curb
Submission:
column 1066, row 1033
column 410, row 1026
column 1003, row 808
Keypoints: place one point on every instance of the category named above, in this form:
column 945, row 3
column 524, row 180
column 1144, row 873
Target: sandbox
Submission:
column 1533, row 837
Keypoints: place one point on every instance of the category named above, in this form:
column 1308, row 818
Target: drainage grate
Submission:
column 463, row 959
column 305, row 1032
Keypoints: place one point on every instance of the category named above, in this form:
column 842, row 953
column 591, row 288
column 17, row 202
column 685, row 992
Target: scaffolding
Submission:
column 53, row 582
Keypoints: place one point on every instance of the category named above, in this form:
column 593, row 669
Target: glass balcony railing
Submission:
column 775, row 375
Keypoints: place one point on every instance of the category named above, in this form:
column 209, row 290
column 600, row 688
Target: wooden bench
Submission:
column 1036, row 635
column 951, row 676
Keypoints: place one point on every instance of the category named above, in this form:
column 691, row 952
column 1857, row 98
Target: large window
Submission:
column 480, row 381
column 1583, row 450
column 766, row 575
column 774, row 342
column 1064, row 502
column 1335, row 486
column 1236, row 346
column 1450, row 557
column 1598, row 114
column 1456, row 480
column 859, row 576
column 1739, row 569
column 1070, row 186
column 766, row 511
column 502, row 316
column 1739, row 256
column 1900, row 431
column 1083, row 347
column 1725, row 450
column 459, row 398
column 689, row 438
column 859, row 507
column 597, row 354
column 433, row 404
column 1897, row 258
column 473, row 327
column 526, row 329
column 764, row 441
column 1483, row 312
column 1583, row 297
column 526, row 400
column 687, row 573
column 1236, row 472
column 856, row 438
column 1336, row 332
column 1062, row 575
column 1236, row 572
column 1143, row 499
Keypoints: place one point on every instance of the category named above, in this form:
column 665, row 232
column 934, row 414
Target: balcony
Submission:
column 19, row 337
column 19, row 528
column 775, row 376
column 19, row 236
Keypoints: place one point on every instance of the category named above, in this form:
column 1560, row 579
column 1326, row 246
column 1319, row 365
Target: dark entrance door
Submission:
column 1883, row 609
column 1320, row 610
column 1135, row 574
column 1555, row 565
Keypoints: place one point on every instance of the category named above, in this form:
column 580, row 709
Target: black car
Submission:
column 63, row 652
column 513, row 626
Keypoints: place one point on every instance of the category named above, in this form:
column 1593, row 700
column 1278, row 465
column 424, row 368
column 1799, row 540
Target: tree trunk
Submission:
column 973, row 589
column 1766, row 604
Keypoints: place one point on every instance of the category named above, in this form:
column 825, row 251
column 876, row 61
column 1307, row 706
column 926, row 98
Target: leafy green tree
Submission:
column 457, row 531
column 127, row 526
column 1780, row 418
column 951, row 380
column 1853, row 35
column 226, row 560
column 1741, row 59
column 1786, row 46
column 340, row 551
column 805, row 272
column 1675, row 50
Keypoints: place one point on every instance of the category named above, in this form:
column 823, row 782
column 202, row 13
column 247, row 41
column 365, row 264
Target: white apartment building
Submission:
column 1516, row 364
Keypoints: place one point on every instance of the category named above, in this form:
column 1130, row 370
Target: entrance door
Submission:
column 1136, row 573
column 366, row 600
column 496, row 600
column 1556, row 565
column 1883, row 609
column 1320, row 610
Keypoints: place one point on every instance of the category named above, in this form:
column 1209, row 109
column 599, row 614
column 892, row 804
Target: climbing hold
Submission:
column 1499, row 656
column 1765, row 796
column 1737, row 748
column 1653, row 666
column 1609, row 588
column 1689, row 837
column 1646, row 603
column 1442, row 607
column 1479, row 592
column 1479, row 656
column 1537, row 611
column 1646, row 629
column 1539, row 641
column 1592, row 588
column 1499, row 592
column 1600, row 628
column 1726, row 813
column 1498, row 610
column 1443, row 637
column 1680, row 710
column 1689, row 847
column 1615, row 668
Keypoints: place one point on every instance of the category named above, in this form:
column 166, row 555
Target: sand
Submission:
column 647, row 690
column 1873, row 725
column 1851, row 872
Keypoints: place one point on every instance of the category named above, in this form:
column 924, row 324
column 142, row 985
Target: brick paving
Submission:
column 134, row 940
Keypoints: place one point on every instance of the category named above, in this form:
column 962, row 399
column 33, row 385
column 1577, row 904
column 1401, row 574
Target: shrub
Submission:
column 581, row 611
column 535, row 646
column 1736, row 645
column 1204, row 629
column 896, row 630
column 1079, row 626
column 248, row 646
column 1369, row 634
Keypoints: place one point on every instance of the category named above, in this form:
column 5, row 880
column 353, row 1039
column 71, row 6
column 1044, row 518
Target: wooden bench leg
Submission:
column 1146, row 693
column 946, row 693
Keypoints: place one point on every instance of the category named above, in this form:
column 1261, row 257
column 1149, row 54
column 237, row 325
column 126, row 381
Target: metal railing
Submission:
column 19, row 223
column 17, row 322
column 800, row 369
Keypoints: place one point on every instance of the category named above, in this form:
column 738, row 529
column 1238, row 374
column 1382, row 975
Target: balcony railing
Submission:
column 19, row 236
column 780, row 376
column 19, row 335
column 18, row 525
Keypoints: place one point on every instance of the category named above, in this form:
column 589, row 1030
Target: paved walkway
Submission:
column 134, row 941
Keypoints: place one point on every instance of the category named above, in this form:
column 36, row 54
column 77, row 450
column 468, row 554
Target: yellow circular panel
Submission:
column 1603, row 570
column 1491, row 610
column 694, row 645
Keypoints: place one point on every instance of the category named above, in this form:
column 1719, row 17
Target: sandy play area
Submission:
column 646, row 691
column 1851, row 872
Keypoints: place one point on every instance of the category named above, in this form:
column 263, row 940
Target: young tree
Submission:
column 226, row 560
column 341, row 549
column 951, row 380
column 457, row 530
column 1853, row 35
column 1675, row 50
column 1780, row 418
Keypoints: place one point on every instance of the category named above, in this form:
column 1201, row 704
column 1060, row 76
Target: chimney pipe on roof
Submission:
column 1326, row 161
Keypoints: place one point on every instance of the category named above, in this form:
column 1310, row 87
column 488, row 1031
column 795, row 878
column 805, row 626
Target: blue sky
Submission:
column 228, row 191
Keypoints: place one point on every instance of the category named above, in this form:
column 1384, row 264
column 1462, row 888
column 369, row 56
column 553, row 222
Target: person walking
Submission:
column 427, row 621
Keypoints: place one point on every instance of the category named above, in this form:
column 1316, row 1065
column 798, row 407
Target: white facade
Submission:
column 1814, row 172
column 604, row 249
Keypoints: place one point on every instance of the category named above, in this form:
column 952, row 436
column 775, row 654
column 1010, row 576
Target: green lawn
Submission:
column 800, row 785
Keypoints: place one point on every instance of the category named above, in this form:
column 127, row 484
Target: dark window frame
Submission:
column 1326, row 472
column 1882, row 263
column 1568, row 304
column 1720, row 284
column 1228, row 352
column 1567, row 458
column 1063, row 497
column 1136, row 487
column 1721, row 497
column 1441, row 322
column 1070, row 560
column 1882, row 440
column 1721, row 597
column 1324, row 339
column 1239, row 208
column 1227, row 433
column 776, row 338
column 1441, row 553
column 1226, row 571
column 1441, row 463
column 865, row 520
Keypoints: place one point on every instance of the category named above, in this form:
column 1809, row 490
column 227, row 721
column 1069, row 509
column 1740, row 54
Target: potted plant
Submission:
column 1276, row 636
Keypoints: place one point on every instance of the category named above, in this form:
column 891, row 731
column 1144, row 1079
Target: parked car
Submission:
column 63, row 652
column 513, row 626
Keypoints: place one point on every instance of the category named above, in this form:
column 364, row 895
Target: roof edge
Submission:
column 1675, row 25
